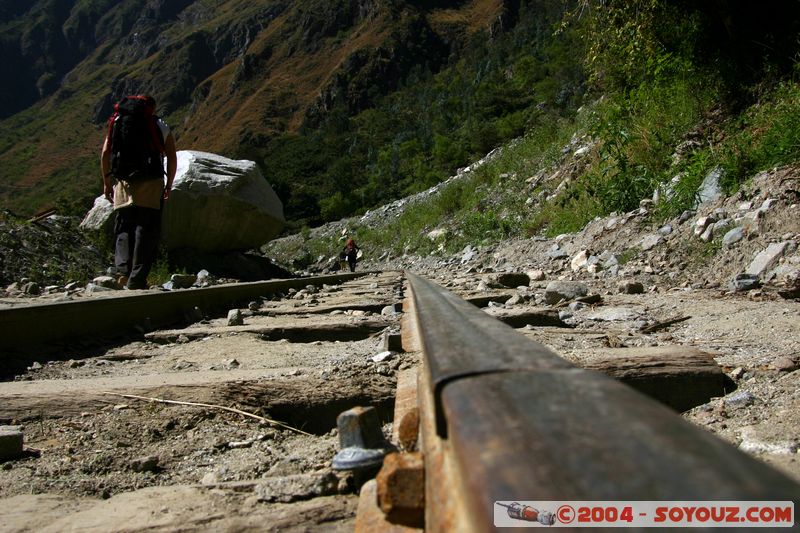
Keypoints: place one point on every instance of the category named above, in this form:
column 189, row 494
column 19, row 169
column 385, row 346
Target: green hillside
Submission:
column 347, row 105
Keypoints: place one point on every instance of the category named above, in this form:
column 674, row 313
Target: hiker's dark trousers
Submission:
column 137, row 230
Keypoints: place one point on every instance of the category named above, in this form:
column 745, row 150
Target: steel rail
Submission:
column 26, row 328
column 504, row 418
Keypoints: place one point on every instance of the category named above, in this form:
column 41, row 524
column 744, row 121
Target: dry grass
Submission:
column 475, row 16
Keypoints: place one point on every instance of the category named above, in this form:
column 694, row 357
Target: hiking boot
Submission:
column 136, row 285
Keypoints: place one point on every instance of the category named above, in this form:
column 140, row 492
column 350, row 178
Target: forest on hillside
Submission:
column 410, row 91
column 685, row 57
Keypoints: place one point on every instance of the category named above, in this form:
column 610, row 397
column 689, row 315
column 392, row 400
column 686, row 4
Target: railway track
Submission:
column 500, row 417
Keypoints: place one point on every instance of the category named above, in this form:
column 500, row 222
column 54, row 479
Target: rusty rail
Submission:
column 503, row 418
column 27, row 328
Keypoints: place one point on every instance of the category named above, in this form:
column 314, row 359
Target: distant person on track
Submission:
column 132, row 164
column 350, row 253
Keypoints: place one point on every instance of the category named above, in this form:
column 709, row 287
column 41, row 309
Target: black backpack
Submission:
column 136, row 141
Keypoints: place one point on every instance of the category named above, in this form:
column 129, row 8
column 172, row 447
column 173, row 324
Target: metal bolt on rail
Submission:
column 361, row 440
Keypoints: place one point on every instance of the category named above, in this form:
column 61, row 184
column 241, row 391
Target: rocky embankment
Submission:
column 723, row 278
column 46, row 256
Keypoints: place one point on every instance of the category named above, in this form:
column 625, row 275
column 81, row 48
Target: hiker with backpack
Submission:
column 132, row 163
column 350, row 253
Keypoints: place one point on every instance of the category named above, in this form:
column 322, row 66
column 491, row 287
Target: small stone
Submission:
column 106, row 281
column 744, row 282
column 210, row 478
column 557, row 253
column 740, row 399
column 145, row 464
column 203, row 278
column 515, row 300
column 733, row 236
column 785, row 364
column 737, row 373
column 564, row 290
column 702, row 223
column 536, row 275
column 649, row 242
column 579, row 260
column 389, row 310
column 31, row 288
column 182, row 281
column 576, row 306
column 630, row 287
column 235, row 318
column 286, row 489
column 686, row 215
column 468, row 254
column 767, row 258
column 381, row 357
column 11, row 442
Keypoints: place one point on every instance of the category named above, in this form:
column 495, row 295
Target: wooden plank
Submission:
column 484, row 299
column 520, row 318
column 324, row 309
column 305, row 402
column 681, row 377
column 337, row 331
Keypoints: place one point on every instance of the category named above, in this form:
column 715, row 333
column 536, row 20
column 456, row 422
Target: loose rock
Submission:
column 564, row 290
column 235, row 318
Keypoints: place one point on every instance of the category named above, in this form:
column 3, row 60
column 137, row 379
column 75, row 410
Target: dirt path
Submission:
column 99, row 462
column 216, row 471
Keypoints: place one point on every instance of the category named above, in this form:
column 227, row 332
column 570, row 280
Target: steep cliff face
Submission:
column 223, row 71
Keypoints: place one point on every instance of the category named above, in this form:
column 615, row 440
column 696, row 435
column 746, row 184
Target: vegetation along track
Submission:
column 220, row 425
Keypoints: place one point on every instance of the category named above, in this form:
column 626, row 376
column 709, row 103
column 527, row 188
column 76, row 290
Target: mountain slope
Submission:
column 226, row 73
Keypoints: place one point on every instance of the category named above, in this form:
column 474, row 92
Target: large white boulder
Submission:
column 216, row 204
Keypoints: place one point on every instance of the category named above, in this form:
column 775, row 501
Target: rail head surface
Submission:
column 466, row 344
column 522, row 426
